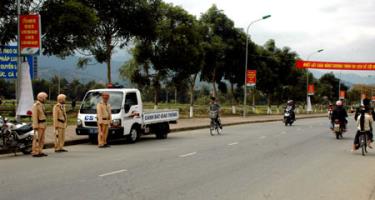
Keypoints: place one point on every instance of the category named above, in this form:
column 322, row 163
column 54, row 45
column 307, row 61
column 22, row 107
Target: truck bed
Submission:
column 160, row 115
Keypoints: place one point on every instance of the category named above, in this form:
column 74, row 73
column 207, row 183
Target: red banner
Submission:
column 251, row 77
column 311, row 89
column 334, row 65
column 30, row 34
column 342, row 94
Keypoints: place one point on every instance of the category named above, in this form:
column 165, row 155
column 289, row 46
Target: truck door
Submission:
column 132, row 111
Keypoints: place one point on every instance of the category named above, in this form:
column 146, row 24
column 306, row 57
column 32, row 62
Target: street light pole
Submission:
column 339, row 86
column 247, row 59
column 307, row 79
column 19, row 72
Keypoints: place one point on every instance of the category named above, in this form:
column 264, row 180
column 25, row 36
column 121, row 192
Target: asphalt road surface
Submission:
column 254, row 161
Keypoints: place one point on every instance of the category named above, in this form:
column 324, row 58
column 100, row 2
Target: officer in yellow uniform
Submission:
column 39, row 124
column 103, row 110
column 60, row 123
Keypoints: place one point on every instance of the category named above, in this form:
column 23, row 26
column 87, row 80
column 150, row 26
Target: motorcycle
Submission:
column 288, row 120
column 16, row 136
column 338, row 129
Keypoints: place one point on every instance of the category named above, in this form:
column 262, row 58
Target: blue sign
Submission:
column 8, row 62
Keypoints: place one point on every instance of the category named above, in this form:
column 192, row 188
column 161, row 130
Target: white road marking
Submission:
column 112, row 173
column 263, row 137
column 186, row 155
column 234, row 143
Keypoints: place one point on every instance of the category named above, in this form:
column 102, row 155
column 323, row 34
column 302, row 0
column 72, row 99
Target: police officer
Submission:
column 39, row 125
column 60, row 123
column 103, row 110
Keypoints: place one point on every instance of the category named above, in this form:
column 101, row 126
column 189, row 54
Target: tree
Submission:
column 95, row 28
column 220, row 27
column 176, row 51
column 67, row 25
column 328, row 86
column 8, row 17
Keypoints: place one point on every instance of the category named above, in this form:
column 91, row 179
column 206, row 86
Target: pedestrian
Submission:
column 39, row 125
column 60, row 123
column 103, row 110
column 74, row 104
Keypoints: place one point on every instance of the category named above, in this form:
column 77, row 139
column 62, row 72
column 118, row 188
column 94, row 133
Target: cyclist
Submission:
column 215, row 107
column 291, row 106
column 364, row 124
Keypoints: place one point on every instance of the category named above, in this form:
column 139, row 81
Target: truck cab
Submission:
column 129, row 119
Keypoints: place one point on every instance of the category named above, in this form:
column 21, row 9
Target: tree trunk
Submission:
column 233, row 99
column 269, row 111
column 214, row 91
column 192, row 86
column 109, row 57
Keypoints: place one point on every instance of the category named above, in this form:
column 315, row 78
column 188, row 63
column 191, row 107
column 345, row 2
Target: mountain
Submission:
column 50, row 66
column 350, row 78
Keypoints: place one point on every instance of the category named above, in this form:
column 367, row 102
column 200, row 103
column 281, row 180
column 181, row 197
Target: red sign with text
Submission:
column 342, row 94
column 251, row 77
column 311, row 89
column 30, row 34
column 334, row 65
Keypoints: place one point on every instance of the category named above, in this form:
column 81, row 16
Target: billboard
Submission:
column 251, row 77
column 8, row 62
column 334, row 65
column 30, row 34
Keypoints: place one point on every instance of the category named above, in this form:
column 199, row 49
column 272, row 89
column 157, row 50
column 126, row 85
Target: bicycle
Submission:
column 363, row 138
column 214, row 125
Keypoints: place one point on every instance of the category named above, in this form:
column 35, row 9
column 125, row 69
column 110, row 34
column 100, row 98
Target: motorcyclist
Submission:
column 290, row 106
column 339, row 113
column 214, row 106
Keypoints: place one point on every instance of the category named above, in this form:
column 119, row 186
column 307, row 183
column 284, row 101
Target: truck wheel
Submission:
column 133, row 136
column 93, row 139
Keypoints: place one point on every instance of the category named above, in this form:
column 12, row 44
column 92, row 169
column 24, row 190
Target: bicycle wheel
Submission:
column 212, row 128
column 362, row 140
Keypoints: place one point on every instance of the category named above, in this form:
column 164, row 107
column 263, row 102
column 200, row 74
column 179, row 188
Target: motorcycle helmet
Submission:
column 339, row 103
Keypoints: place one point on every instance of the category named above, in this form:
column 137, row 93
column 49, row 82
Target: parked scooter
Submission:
column 15, row 136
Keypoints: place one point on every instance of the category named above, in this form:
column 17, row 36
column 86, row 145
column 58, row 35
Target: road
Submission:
column 254, row 161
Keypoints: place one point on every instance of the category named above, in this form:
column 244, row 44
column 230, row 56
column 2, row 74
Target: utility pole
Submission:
column 19, row 71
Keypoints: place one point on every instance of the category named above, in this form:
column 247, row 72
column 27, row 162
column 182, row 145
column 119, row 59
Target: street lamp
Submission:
column 308, row 108
column 247, row 58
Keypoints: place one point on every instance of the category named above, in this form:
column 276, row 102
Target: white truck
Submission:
column 129, row 119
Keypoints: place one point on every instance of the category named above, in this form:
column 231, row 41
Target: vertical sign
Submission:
column 311, row 89
column 251, row 77
column 30, row 34
column 342, row 94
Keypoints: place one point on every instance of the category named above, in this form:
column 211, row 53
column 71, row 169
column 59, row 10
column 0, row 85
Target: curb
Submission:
column 86, row 140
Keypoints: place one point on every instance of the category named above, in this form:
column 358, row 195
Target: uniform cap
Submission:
column 61, row 97
column 42, row 96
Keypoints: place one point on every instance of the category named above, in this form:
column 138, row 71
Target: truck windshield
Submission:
column 93, row 98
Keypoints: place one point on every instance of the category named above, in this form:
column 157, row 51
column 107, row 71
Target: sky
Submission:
column 345, row 29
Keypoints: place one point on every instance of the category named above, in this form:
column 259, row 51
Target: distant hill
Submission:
column 349, row 79
column 50, row 66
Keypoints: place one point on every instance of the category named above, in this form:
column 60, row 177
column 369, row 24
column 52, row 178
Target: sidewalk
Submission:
column 183, row 125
